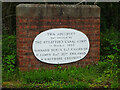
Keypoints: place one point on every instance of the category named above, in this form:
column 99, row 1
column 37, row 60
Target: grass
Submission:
column 105, row 74
column 87, row 77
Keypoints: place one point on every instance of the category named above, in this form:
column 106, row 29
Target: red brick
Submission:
column 23, row 68
column 27, row 32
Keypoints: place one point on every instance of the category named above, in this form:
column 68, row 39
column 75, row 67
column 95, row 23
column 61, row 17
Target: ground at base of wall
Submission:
column 87, row 77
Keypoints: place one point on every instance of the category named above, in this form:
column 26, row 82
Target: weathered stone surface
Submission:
column 53, row 10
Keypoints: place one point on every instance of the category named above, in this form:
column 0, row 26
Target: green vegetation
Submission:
column 8, row 52
column 90, row 76
column 105, row 74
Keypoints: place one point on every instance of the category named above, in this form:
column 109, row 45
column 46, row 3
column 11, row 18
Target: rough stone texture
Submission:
column 53, row 10
column 33, row 19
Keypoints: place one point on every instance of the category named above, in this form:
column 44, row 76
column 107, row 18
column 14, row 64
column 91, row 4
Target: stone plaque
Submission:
column 60, row 46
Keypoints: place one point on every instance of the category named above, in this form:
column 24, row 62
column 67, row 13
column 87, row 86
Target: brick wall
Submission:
column 32, row 19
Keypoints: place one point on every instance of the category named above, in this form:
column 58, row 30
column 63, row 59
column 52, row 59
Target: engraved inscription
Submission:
column 60, row 46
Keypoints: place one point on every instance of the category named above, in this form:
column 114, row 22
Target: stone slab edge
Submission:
column 55, row 10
